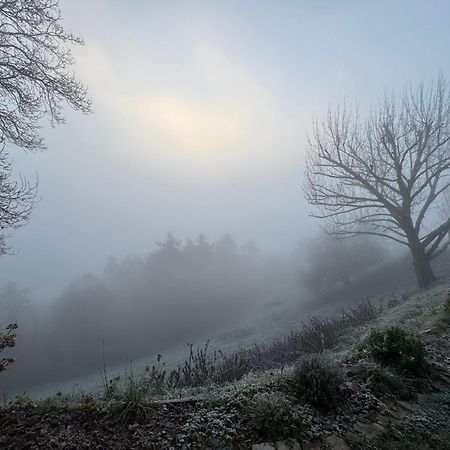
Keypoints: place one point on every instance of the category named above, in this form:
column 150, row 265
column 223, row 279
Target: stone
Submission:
column 411, row 407
column 368, row 429
column 263, row 446
column 351, row 386
column 310, row 446
column 288, row 445
column 353, row 438
column 336, row 442
column 314, row 445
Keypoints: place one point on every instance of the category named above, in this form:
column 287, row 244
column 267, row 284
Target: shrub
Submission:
column 111, row 387
column 394, row 347
column 273, row 416
column 132, row 404
column 239, row 397
column 203, row 366
column 210, row 428
column 318, row 381
column 22, row 401
column 7, row 340
column 53, row 404
column 446, row 312
column 382, row 381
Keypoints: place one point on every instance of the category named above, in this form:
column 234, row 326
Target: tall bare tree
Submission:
column 386, row 175
column 35, row 82
column 445, row 211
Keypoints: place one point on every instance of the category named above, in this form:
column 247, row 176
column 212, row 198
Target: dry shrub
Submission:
column 273, row 416
column 314, row 336
column 319, row 382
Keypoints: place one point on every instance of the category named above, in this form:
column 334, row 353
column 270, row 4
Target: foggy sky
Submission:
column 201, row 111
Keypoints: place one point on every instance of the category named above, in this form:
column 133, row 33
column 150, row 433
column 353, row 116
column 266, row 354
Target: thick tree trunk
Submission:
column 422, row 266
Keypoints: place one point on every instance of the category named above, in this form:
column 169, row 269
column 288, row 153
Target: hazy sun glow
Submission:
column 218, row 122
column 190, row 128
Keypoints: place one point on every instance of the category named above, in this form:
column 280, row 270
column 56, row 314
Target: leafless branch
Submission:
column 383, row 175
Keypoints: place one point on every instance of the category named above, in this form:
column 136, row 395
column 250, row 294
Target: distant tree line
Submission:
column 140, row 305
column 331, row 262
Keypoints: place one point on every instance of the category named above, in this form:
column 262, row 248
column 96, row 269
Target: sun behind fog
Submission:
column 187, row 126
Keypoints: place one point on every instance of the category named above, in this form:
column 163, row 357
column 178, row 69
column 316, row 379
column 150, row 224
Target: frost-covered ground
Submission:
column 263, row 407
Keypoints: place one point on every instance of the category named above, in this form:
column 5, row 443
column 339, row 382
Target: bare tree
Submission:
column 386, row 175
column 17, row 199
column 35, row 82
column 34, row 70
column 445, row 210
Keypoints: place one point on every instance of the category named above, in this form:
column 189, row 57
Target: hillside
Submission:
column 310, row 390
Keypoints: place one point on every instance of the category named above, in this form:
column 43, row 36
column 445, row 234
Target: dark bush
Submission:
column 273, row 416
column 382, row 381
column 319, row 382
column 394, row 347
column 7, row 340
column 446, row 313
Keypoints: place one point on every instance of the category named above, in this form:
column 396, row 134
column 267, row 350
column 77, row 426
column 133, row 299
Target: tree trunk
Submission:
column 422, row 267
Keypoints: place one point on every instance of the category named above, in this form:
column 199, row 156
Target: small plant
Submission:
column 211, row 428
column 382, row 381
column 318, row 381
column 111, row 388
column 273, row 416
column 53, row 404
column 239, row 397
column 132, row 403
column 394, row 347
column 7, row 340
column 22, row 401
column 446, row 312
column 202, row 366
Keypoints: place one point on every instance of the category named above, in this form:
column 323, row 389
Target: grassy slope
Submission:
column 145, row 419
column 394, row 277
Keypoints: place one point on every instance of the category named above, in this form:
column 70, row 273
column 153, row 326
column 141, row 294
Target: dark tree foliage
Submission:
column 331, row 261
column 182, row 291
column 35, row 82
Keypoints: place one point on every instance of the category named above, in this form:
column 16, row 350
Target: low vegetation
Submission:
column 7, row 340
column 319, row 382
column 210, row 428
column 394, row 347
column 446, row 312
column 383, row 381
column 273, row 416
column 294, row 388
column 205, row 366
column 131, row 405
